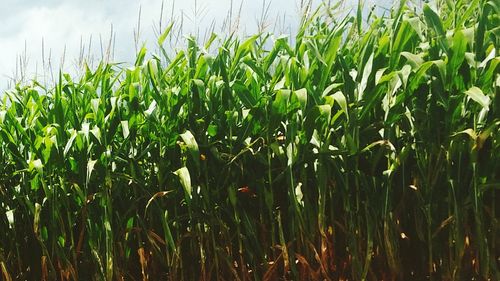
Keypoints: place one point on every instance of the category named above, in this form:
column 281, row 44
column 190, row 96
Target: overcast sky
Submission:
column 65, row 26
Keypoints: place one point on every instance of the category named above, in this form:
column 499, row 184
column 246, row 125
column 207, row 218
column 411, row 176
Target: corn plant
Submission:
column 363, row 148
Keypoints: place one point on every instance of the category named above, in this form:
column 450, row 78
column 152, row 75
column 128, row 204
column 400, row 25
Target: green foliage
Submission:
column 360, row 151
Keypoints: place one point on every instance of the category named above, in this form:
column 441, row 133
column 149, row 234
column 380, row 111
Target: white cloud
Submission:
column 63, row 25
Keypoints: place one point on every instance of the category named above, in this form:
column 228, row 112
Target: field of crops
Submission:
column 363, row 148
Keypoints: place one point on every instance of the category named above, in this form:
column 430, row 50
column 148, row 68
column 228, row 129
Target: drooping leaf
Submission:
column 478, row 96
column 185, row 179
column 192, row 145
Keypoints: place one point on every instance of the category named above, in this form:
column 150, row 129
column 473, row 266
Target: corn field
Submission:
column 363, row 148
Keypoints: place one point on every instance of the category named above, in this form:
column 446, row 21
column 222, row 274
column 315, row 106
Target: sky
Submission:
column 39, row 35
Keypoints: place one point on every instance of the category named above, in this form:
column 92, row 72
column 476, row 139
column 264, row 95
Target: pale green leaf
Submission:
column 125, row 129
column 478, row 96
column 185, row 179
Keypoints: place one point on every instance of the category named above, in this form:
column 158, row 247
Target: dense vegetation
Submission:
column 357, row 150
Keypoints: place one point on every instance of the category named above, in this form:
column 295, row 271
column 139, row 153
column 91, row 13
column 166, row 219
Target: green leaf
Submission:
column 330, row 88
column 191, row 144
column 458, row 52
column 301, row 96
column 242, row 50
column 90, row 167
column 125, row 129
column 478, row 96
column 488, row 73
column 96, row 132
column 359, row 16
column 435, row 23
column 367, row 70
column 339, row 97
column 245, row 96
column 10, row 217
column 140, row 56
column 165, row 33
column 85, row 130
column 212, row 130
column 185, row 179
column 168, row 233
column 151, row 108
column 414, row 60
column 416, row 24
column 299, row 196
column 2, row 115
column 35, row 165
column 280, row 103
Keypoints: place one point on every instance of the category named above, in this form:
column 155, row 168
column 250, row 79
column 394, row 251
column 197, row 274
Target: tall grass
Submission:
column 362, row 150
